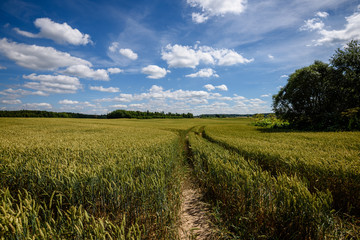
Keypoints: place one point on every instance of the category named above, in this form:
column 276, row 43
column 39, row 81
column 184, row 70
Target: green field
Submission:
column 122, row 179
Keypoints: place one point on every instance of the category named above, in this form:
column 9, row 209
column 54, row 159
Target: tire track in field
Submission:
column 195, row 222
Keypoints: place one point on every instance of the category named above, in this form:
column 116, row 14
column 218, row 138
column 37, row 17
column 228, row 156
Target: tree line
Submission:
column 114, row 114
column 146, row 115
column 323, row 96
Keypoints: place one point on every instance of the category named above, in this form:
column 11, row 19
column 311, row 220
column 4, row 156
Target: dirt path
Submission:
column 194, row 215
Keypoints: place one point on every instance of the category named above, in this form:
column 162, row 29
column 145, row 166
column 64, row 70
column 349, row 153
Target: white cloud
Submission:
column 83, row 71
column 211, row 87
column 114, row 70
column 271, row 56
column 154, row 72
column 37, row 57
column 199, row 18
column 12, row 101
column 351, row 31
column 66, row 101
column 2, row 67
column 185, row 56
column 102, row 89
column 265, row 95
column 118, row 106
column 53, row 83
column 284, row 76
column 36, row 106
column 206, row 72
column 113, row 46
column 312, row 24
column 158, row 93
column 322, row 14
column 14, row 93
column 211, row 8
column 197, row 102
column 222, row 87
column 71, row 105
column 60, row 33
column 128, row 53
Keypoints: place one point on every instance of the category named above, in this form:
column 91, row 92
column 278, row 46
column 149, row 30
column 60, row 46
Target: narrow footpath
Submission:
column 195, row 221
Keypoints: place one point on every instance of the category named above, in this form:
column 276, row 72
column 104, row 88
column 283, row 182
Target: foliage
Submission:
column 347, row 62
column 46, row 114
column 270, row 121
column 224, row 115
column 316, row 96
column 309, row 98
column 146, row 115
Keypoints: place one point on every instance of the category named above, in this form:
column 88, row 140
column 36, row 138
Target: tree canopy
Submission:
column 323, row 96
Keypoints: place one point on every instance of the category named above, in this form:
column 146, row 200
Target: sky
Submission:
column 179, row 56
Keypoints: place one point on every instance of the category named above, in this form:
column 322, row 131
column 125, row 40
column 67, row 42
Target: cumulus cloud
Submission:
column 118, row 106
column 211, row 8
column 271, row 57
column 312, row 24
column 11, row 101
column 350, row 31
column 211, row 87
column 15, row 93
column 154, row 72
column 61, row 33
column 75, row 105
column 128, row 53
column 189, row 57
column 114, row 70
column 199, row 18
column 102, row 89
column 158, row 93
column 206, row 72
column 36, row 106
column 52, row 83
column 197, row 102
column 322, row 14
column 113, row 46
column 37, row 57
column 2, row 67
column 222, row 87
column 66, row 101
column 83, row 71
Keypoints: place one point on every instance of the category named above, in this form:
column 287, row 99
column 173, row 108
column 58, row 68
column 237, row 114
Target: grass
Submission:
column 121, row 179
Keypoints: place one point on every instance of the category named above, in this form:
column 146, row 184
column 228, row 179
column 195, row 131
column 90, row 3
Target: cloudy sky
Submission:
column 199, row 56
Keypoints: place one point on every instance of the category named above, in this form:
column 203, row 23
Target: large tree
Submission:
column 347, row 62
column 323, row 95
column 308, row 97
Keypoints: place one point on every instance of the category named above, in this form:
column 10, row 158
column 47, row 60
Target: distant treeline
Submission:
column 225, row 115
column 146, row 115
column 114, row 114
column 46, row 114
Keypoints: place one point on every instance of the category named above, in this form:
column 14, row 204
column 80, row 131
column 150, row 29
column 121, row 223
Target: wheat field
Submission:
column 122, row 179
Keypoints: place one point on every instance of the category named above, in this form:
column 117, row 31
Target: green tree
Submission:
column 309, row 98
column 347, row 62
column 323, row 95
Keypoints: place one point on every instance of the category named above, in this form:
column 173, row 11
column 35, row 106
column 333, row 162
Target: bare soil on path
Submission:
column 195, row 221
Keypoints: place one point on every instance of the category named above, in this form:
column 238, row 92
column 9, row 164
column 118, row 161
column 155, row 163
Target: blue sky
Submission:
column 199, row 56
